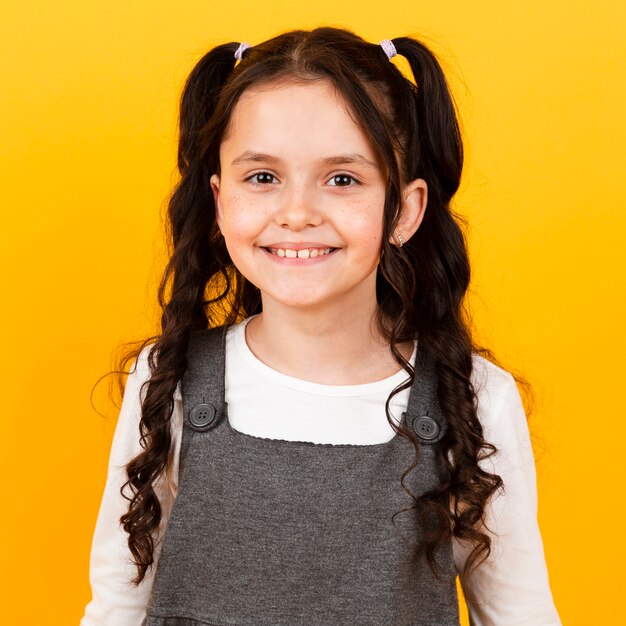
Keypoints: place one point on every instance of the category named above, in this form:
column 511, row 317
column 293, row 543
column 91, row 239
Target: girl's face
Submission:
column 298, row 179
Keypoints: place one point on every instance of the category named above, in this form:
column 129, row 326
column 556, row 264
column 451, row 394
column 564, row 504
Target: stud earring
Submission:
column 399, row 240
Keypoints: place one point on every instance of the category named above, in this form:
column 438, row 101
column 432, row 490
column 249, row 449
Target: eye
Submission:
column 343, row 180
column 262, row 178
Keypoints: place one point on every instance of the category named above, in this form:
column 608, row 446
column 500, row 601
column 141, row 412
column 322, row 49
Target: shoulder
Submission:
column 499, row 405
column 141, row 371
column 141, row 365
column 489, row 380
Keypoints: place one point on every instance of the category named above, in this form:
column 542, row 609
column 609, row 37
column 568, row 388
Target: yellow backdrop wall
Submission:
column 88, row 116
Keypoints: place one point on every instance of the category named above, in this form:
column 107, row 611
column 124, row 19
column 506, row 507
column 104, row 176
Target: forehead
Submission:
column 293, row 120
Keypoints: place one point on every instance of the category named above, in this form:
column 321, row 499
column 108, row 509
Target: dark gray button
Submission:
column 202, row 416
column 426, row 427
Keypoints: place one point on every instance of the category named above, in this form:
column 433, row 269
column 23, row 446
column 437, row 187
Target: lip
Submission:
column 298, row 245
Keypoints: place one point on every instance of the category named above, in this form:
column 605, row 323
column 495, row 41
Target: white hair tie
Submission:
column 242, row 48
column 389, row 48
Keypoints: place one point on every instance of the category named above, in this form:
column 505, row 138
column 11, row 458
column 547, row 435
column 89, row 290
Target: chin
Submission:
column 300, row 300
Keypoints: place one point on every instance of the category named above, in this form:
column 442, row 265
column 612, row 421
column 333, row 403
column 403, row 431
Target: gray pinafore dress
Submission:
column 269, row 532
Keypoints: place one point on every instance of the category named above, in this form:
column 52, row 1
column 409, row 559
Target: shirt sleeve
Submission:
column 115, row 601
column 511, row 586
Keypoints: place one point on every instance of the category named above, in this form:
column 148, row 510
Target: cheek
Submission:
column 363, row 222
column 239, row 217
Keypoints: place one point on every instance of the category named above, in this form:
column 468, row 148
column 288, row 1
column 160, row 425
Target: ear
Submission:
column 414, row 201
column 215, row 188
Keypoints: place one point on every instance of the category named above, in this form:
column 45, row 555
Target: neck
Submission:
column 332, row 346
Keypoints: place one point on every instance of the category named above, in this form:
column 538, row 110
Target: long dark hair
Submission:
column 420, row 286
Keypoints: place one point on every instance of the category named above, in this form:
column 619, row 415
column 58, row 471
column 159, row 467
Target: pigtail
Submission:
column 438, row 253
column 199, row 259
column 440, row 147
column 199, row 98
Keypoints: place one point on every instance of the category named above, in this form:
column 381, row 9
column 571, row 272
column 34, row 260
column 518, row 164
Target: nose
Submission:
column 297, row 208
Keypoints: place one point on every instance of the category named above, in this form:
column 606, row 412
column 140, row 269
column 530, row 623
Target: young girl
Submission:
column 314, row 438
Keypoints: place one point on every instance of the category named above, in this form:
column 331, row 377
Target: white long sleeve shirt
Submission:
column 511, row 587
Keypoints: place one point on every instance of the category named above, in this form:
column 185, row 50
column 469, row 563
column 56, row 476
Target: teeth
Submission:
column 300, row 254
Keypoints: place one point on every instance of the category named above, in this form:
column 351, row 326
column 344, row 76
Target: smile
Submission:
column 305, row 253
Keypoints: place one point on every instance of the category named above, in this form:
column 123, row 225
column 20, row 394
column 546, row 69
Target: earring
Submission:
column 399, row 240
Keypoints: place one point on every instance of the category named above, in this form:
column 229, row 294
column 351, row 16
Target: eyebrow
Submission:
column 340, row 159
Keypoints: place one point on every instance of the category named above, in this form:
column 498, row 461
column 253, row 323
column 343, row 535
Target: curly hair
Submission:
column 420, row 287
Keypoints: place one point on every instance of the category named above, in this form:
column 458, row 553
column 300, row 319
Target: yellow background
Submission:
column 88, row 114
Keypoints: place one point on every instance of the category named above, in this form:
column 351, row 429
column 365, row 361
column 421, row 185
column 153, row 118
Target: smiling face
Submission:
column 299, row 177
